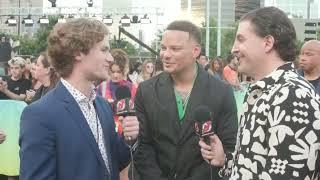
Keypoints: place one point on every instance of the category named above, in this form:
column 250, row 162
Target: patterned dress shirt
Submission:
column 279, row 130
column 89, row 112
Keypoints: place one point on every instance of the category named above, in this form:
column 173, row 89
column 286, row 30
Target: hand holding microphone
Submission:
column 211, row 146
column 124, row 108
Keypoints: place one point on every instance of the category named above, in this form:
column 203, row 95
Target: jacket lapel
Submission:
column 75, row 112
column 197, row 97
column 166, row 97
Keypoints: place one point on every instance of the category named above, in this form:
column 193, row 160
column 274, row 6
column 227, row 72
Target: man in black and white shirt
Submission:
column 279, row 130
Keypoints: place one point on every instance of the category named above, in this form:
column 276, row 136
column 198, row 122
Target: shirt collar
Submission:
column 272, row 78
column 77, row 95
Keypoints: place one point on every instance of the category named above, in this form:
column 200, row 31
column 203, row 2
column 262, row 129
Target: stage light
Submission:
column 11, row 21
column 107, row 20
column 43, row 20
column 145, row 20
column 28, row 21
column 125, row 21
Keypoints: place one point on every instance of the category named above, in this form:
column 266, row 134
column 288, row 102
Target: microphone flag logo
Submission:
column 121, row 105
column 206, row 128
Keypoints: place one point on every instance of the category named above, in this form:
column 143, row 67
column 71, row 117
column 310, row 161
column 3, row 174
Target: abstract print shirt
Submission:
column 279, row 130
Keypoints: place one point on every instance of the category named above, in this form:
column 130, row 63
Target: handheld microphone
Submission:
column 124, row 105
column 203, row 123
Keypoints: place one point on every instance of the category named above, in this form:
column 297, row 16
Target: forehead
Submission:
column 175, row 36
column 104, row 42
column 246, row 28
column 312, row 46
column 15, row 66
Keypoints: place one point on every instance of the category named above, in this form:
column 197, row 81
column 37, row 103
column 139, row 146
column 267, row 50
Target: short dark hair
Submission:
column 274, row 22
column 186, row 26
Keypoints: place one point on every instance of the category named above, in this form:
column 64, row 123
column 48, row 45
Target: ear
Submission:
column 269, row 42
column 196, row 51
column 78, row 55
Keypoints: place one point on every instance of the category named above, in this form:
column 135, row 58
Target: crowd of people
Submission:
column 69, row 129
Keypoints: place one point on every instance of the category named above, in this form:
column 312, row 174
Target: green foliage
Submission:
column 38, row 43
column 318, row 34
column 125, row 45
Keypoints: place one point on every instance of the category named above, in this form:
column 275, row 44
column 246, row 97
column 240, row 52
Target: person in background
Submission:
column 230, row 73
column 310, row 63
column 5, row 53
column 16, row 85
column 46, row 75
column 158, row 67
column 69, row 134
column 147, row 71
column 216, row 68
column 279, row 129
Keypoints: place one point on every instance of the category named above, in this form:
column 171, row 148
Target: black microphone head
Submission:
column 122, row 92
column 203, row 121
column 202, row 114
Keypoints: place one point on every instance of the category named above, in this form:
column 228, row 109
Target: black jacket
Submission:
column 169, row 150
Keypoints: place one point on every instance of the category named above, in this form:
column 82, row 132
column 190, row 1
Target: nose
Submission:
column 235, row 48
column 109, row 57
column 165, row 54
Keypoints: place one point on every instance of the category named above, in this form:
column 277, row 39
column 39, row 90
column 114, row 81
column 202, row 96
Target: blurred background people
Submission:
column 46, row 75
column 16, row 85
column 147, row 71
column 216, row 68
column 310, row 63
column 230, row 73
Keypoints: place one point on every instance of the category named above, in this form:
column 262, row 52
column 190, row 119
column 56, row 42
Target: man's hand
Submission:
column 130, row 126
column 2, row 136
column 213, row 153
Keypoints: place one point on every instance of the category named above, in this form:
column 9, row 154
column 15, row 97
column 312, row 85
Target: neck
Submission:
column 313, row 74
column 185, row 79
column 46, row 82
column 80, row 83
column 269, row 67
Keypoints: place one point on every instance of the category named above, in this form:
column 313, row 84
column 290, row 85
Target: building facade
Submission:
column 19, row 9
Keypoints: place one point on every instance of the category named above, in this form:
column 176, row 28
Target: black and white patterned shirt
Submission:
column 279, row 131
column 89, row 112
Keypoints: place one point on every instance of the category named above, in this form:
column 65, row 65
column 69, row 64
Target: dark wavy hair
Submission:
column 274, row 22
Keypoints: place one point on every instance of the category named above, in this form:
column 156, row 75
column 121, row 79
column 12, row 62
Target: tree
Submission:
column 125, row 45
column 38, row 43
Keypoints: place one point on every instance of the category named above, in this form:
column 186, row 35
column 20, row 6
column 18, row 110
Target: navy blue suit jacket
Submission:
column 57, row 144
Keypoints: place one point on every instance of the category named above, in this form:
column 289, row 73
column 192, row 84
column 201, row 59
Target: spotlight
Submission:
column 125, row 21
column 145, row 20
column 28, row 21
column 11, row 21
column 107, row 20
column 53, row 3
column 43, row 20
column 90, row 3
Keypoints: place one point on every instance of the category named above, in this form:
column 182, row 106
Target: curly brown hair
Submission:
column 75, row 35
column 121, row 59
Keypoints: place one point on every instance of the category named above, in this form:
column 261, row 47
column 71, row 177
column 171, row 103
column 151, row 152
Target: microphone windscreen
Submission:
column 201, row 114
column 122, row 92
